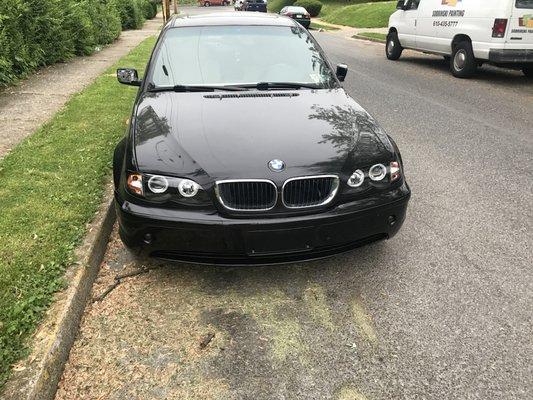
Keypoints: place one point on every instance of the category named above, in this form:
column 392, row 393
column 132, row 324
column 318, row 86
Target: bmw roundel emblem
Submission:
column 276, row 165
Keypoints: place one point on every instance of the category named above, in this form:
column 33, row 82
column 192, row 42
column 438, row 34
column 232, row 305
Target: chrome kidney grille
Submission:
column 261, row 195
column 247, row 195
column 309, row 191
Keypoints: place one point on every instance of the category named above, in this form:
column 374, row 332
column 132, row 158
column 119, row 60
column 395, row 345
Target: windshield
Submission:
column 524, row 3
column 233, row 55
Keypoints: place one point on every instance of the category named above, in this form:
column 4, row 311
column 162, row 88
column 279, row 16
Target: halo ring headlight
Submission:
column 377, row 172
column 356, row 179
column 188, row 188
column 158, row 184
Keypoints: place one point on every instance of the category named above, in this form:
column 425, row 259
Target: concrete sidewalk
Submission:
column 348, row 31
column 25, row 107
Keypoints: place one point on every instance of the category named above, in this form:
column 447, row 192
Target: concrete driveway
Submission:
column 442, row 311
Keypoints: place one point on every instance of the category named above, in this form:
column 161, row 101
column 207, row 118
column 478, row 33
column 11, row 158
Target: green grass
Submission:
column 367, row 15
column 50, row 187
column 329, row 6
column 316, row 25
column 373, row 35
column 356, row 13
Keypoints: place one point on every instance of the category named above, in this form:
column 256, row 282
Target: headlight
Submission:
column 188, row 188
column 377, row 172
column 135, row 184
column 357, row 179
column 395, row 171
column 166, row 188
column 158, row 184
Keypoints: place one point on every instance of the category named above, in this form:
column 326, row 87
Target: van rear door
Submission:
column 520, row 29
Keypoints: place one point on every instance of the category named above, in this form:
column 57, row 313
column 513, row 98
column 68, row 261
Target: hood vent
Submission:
column 255, row 94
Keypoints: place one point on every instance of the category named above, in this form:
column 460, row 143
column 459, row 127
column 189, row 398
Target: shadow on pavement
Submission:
column 486, row 73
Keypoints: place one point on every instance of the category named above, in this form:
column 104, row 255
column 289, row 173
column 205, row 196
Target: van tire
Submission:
column 463, row 64
column 393, row 48
column 528, row 72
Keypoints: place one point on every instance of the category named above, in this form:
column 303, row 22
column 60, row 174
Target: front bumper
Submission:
column 511, row 56
column 215, row 239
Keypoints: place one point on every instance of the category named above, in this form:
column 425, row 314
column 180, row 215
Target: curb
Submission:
column 369, row 39
column 37, row 377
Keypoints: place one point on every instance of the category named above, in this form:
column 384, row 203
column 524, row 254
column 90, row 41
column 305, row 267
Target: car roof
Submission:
column 231, row 18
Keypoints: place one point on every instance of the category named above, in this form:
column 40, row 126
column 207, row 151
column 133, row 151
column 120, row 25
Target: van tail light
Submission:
column 498, row 30
column 307, row 16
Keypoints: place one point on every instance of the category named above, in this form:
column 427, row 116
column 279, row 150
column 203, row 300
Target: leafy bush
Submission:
column 131, row 13
column 277, row 5
column 34, row 33
column 149, row 8
column 44, row 29
column 78, row 17
column 313, row 7
column 106, row 21
column 15, row 56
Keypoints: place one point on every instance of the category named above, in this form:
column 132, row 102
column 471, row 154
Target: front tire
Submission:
column 463, row 64
column 528, row 72
column 207, row 4
column 393, row 48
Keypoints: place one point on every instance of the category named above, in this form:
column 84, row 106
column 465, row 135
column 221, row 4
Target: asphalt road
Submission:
column 442, row 311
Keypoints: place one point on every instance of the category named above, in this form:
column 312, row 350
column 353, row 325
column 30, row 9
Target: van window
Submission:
column 413, row 4
column 524, row 3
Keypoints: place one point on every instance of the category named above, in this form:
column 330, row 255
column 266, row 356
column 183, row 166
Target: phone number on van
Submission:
column 446, row 24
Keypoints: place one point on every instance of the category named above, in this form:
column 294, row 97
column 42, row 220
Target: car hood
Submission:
column 233, row 135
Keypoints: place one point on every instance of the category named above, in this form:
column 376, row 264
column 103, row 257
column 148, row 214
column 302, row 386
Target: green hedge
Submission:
column 313, row 7
column 277, row 5
column 150, row 9
column 34, row 33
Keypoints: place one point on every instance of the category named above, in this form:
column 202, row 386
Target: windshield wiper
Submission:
column 196, row 88
column 285, row 85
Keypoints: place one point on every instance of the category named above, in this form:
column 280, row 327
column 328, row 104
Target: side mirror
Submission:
column 342, row 70
column 400, row 5
column 128, row 76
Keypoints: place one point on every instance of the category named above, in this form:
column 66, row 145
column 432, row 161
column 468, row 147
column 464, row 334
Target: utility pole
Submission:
column 175, row 6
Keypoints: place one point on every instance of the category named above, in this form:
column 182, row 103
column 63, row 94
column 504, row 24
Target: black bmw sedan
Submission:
column 243, row 148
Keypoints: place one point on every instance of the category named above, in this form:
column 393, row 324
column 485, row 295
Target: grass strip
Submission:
column 376, row 36
column 367, row 15
column 51, row 185
column 317, row 25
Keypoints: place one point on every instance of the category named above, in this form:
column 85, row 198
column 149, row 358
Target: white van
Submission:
column 467, row 32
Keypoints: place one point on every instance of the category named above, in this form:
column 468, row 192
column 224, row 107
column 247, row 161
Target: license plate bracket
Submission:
column 269, row 242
